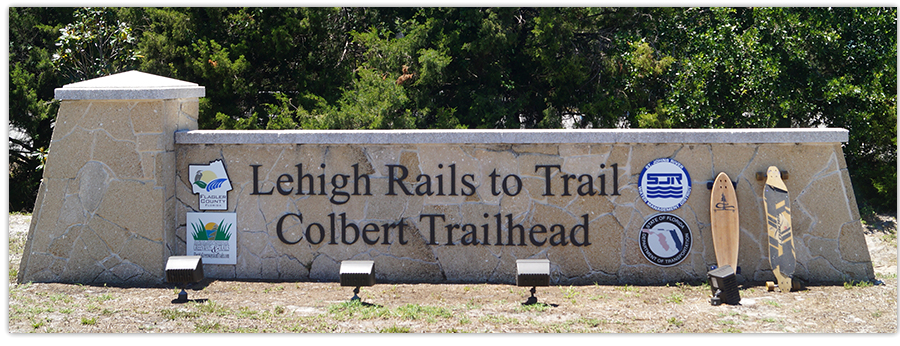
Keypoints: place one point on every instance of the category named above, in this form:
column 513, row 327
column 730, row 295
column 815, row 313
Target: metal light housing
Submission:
column 184, row 270
column 532, row 272
column 723, row 284
column 356, row 274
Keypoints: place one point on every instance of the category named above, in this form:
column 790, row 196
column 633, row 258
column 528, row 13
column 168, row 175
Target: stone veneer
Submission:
column 105, row 211
column 827, row 230
column 112, row 205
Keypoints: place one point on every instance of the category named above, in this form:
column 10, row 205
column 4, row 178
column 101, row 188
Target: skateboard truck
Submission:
column 795, row 285
column 709, row 184
column 723, row 285
column 760, row 176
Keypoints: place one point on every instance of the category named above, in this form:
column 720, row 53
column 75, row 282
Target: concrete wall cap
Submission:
column 131, row 85
column 780, row 135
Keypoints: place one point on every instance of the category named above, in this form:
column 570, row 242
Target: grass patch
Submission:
column 174, row 314
column 857, row 284
column 675, row 297
column 88, row 321
column 631, row 291
column 394, row 329
column 772, row 303
column 470, row 305
column 245, row 312
column 416, row 311
column 278, row 288
column 356, row 310
column 465, row 320
column 497, row 319
column 102, row 298
column 570, row 293
column 210, row 327
column 212, row 308
column 629, row 288
column 675, row 322
column 578, row 325
column 37, row 324
column 886, row 276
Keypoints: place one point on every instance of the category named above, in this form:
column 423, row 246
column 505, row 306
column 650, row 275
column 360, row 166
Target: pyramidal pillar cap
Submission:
column 131, row 85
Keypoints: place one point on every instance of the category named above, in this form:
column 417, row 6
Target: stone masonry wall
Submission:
column 828, row 235
column 105, row 211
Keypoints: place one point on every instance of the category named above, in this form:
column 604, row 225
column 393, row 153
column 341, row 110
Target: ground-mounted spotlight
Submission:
column 532, row 272
column 723, row 285
column 356, row 274
column 184, row 270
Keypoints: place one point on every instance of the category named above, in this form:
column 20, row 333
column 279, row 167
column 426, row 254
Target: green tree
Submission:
column 32, row 109
column 498, row 67
column 792, row 67
column 245, row 56
column 95, row 44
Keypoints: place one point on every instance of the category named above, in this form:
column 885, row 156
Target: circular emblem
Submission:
column 664, row 184
column 665, row 240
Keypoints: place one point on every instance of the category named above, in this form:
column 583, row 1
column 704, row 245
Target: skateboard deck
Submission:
column 723, row 213
column 777, row 204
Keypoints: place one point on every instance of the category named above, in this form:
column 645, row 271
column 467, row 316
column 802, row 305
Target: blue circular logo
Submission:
column 664, row 184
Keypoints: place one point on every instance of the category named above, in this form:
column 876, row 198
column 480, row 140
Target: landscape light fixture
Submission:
column 184, row 270
column 532, row 272
column 356, row 274
column 723, row 285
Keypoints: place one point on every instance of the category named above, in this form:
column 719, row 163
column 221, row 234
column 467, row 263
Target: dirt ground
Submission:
column 289, row 307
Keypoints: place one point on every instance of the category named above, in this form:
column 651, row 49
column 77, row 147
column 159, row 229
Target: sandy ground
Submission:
column 290, row 307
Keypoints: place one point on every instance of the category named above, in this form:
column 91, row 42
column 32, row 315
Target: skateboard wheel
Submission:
column 715, row 301
column 770, row 286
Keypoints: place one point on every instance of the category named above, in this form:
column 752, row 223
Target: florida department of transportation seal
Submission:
column 665, row 240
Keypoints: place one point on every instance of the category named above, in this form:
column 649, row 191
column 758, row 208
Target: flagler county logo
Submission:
column 664, row 184
column 208, row 180
column 211, row 183
column 665, row 240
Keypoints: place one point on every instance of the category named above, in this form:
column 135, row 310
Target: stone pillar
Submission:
column 105, row 212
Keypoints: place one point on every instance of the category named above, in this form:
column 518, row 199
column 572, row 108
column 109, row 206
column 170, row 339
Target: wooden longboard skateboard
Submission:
column 781, row 237
column 723, row 213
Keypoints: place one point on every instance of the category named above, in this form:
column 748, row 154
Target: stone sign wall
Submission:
column 462, row 206
column 130, row 181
